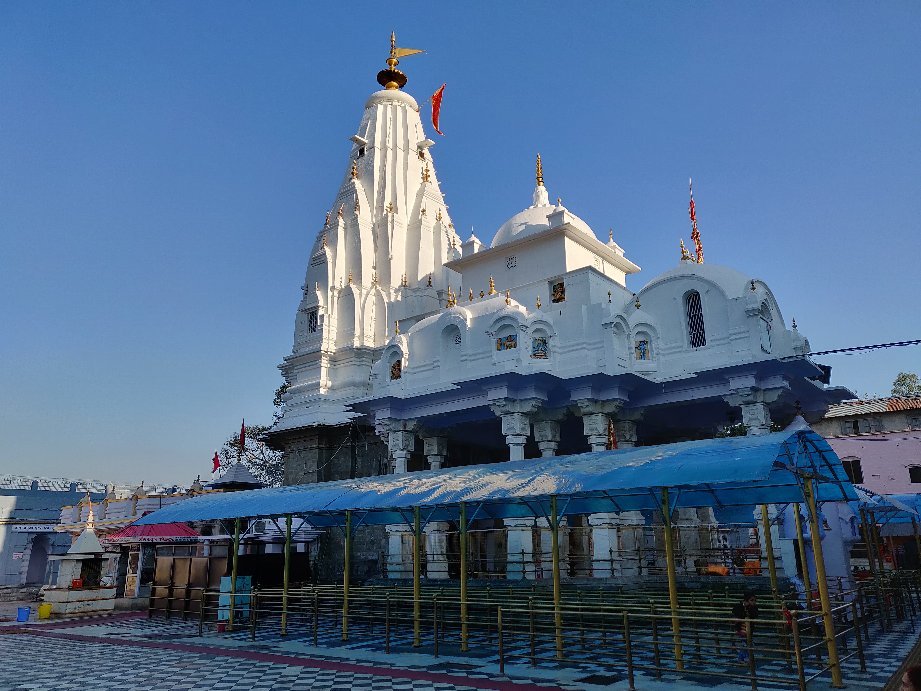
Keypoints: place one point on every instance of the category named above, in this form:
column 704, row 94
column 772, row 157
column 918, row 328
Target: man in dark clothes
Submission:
column 742, row 614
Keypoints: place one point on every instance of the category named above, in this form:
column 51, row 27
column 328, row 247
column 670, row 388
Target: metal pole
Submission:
column 769, row 548
column 346, row 569
column 877, row 544
column 463, row 576
column 233, row 572
column 672, row 578
column 628, row 649
column 833, row 663
column 417, row 575
column 284, row 591
column 555, row 554
column 914, row 529
column 801, row 543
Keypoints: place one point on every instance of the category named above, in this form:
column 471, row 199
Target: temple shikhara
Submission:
column 416, row 349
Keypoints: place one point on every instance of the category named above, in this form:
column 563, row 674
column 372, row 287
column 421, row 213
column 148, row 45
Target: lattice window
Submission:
column 313, row 321
column 697, row 333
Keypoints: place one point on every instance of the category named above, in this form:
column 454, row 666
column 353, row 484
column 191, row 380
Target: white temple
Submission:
column 450, row 352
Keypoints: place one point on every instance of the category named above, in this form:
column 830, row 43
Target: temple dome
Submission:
column 733, row 283
column 392, row 96
column 534, row 220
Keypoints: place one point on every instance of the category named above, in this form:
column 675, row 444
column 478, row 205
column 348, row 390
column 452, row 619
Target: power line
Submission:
column 878, row 346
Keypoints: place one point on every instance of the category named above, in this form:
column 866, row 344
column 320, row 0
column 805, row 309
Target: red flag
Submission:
column 216, row 462
column 436, row 108
column 242, row 435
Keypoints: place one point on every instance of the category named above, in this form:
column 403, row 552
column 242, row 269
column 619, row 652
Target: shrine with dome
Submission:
column 415, row 349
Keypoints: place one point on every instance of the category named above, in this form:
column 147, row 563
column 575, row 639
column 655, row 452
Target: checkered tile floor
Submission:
column 38, row 661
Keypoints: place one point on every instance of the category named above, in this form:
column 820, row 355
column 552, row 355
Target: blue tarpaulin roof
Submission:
column 735, row 471
column 887, row 508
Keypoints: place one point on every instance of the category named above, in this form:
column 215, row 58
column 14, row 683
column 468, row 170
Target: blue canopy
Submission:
column 888, row 509
column 735, row 471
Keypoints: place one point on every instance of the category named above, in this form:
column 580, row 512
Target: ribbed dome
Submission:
column 533, row 220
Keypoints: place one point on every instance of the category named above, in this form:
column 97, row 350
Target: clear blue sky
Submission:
column 164, row 167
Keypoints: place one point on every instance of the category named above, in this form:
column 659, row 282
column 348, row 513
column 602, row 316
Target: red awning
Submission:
column 166, row 532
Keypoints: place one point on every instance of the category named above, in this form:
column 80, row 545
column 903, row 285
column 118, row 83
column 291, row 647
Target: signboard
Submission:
column 33, row 527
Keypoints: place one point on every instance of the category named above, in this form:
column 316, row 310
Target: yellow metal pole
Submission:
column 417, row 576
column 672, row 578
column 463, row 575
column 233, row 572
column 801, row 543
column 769, row 548
column 284, row 591
column 346, row 574
column 833, row 663
column 555, row 560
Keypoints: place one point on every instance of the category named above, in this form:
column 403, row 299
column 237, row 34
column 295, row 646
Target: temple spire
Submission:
column 540, row 197
column 540, row 172
column 392, row 78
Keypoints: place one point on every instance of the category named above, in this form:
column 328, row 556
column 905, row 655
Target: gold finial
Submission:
column 374, row 278
column 390, row 207
column 340, row 211
column 492, row 286
column 537, row 304
column 559, row 201
column 354, row 172
column 324, row 239
column 470, row 296
column 392, row 78
column 424, row 211
column 438, row 215
column 636, row 301
column 685, row 255
column 508, row 297
column 609, row 296
column 429, row 284
column 452, row 300
column 326, row 222
column 540, row 172
column 404, row 283
column 316, row 287
column 794, row 323
column 350, row 278
column 426, row 174
column 357, row 205
column 610, row 235
column 396, row 327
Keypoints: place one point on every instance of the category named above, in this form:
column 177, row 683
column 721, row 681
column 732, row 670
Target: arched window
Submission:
column 766, row 322
column 697, row 333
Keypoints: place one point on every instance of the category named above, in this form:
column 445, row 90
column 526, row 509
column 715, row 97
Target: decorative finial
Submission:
column 390, row 208
column 685, row 255
column 357, row 205
column 403, row 282
column 610, row 235
column 537, row 304
column 559, row 201
column 341, row 210
column 794, row 323
column 324, row 239
column 396, row 327
column 695, row 233
column 470, row 296
column 316, row 287
column 508, row 297
column 326, row 222
column 438, row 216
column 350, row 278
column 426, row 173
column 354, row 172
column 482, row 294
column 429, row 284
column 753, row 289
column 89, row 518
column 609, row 296
column 492, row 286
column 451, row 298
column 540, row 172
column 374, row 278
column 392, row 78
column 636, row 301
column 424, row 211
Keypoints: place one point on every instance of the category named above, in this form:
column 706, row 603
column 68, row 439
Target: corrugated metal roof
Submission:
column 875, row 405
column 714, row 472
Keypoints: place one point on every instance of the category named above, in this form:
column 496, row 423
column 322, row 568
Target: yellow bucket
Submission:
column 44, row 610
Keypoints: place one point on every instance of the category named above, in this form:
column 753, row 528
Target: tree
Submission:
column 906, row 385
column 264, row 463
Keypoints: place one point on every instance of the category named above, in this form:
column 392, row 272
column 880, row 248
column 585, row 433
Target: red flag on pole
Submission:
column 242, row 435
column 436, row 108
column 216, row 462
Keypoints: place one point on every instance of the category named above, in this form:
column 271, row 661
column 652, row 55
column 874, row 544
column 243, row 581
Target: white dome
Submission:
column 531, row 221
column 733, row 283
column 392, row 96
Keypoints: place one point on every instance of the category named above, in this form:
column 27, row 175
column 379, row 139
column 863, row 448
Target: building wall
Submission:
column 885, row 460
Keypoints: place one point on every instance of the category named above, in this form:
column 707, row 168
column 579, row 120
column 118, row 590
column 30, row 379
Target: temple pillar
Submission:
column 436, row 450
column 626, row 433
column 401, row 441
column 605, row 546
column 753, row 400
column 596, row 417
column 520, row 548
column 399, row 552
column 516, row 422
column 436, row 549
column 547, row 436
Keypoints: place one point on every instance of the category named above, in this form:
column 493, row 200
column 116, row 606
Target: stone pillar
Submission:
column 547, row 436
column 688, row 543
column 436, row 550
column 516, row 422
column 436, row 450
column 631, row 524
column 626, row 433
column 605, row 548
column 520, row 548
column 747, row 394
column 595, row 419
column 399, row 554
column 401, row 443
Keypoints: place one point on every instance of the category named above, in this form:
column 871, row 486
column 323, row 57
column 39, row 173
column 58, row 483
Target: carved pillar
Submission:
column 595, row 418
column 547, row 431
column 399, row 552
column 436, row 550
column 516, row 422
column 401, row 441
column 625, row 427
column 436, row 450
column 753, row 398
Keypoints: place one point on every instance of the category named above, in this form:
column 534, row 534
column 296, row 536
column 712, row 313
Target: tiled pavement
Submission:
column 129, row 652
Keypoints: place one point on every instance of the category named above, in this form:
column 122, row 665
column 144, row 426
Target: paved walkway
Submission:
column 127, row 651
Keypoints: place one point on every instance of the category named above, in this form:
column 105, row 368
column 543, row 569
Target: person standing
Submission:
column 743, row 612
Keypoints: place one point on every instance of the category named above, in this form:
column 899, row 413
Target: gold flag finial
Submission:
column 540, row 172
column 685, row 255
column 492, row 286
column 392, row 78
column 537, row 304
column 508, row 297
